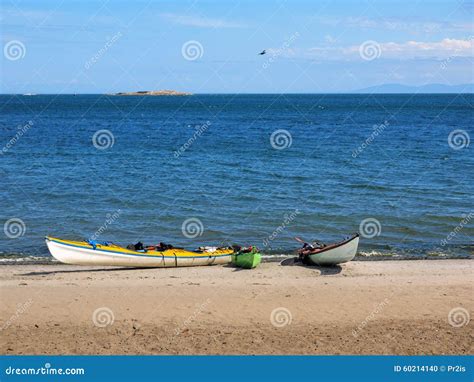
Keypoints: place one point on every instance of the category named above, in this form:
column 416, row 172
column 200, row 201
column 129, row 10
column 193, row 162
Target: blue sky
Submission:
column 211, row 47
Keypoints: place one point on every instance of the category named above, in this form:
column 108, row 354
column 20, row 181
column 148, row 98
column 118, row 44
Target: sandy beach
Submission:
column 364, row 307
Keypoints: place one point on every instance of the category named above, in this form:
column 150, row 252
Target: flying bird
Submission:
column 263, row 52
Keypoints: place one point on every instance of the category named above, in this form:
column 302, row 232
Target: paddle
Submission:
column 299, row 239
column 305, row 242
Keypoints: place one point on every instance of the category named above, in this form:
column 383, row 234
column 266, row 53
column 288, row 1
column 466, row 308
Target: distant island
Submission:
column 153, row 93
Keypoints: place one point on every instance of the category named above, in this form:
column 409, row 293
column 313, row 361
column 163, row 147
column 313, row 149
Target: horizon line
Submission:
column 236, row 93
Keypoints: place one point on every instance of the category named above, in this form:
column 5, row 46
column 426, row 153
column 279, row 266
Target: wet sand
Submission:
column 364, row 307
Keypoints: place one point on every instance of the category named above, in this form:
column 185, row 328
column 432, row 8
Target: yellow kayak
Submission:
column 87, row 253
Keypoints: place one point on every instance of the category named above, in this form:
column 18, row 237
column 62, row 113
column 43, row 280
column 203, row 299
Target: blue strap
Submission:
column 94, row 243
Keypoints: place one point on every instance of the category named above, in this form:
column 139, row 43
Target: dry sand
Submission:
column 373, row 307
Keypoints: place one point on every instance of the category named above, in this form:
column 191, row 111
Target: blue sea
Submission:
column 247, row 169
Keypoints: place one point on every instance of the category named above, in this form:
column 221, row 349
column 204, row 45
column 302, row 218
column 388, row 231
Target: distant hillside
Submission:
column 153, row 93
column 430, row 88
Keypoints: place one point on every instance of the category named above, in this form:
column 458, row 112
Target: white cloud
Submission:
column 394, row 24
column 29, row 14
column 443, row 49
column 418, row 49
column 200, row 22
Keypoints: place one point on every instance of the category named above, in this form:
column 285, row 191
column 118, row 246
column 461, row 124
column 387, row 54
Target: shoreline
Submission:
column 20, row 259
column 362, row 307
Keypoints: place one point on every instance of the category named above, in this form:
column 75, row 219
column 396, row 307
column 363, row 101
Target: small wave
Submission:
column 409, row 255
column 26, row 259
column 274, row 258
column 375, row 253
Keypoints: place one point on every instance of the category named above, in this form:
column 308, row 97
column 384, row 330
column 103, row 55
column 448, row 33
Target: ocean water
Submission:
column 248, row 169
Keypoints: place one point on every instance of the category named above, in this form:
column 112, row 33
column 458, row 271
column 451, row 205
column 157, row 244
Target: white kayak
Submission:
column 333, row 254
column 85, row 253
